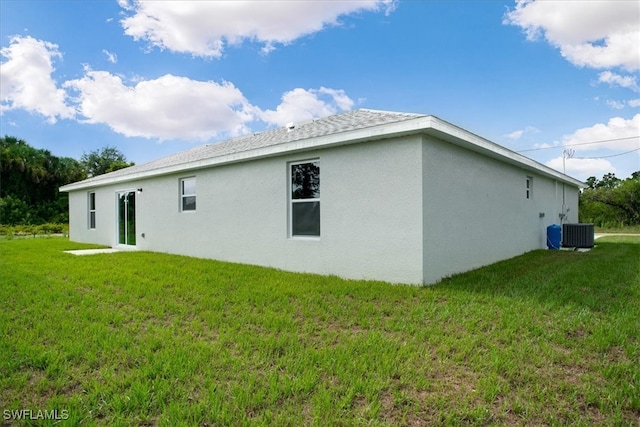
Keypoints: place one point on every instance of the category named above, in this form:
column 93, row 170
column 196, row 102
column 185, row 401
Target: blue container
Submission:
column 554, row 236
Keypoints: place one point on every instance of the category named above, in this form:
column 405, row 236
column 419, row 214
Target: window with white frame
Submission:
column 188, row 194
column 529, row 189
column 305, row 198
column 91, row 202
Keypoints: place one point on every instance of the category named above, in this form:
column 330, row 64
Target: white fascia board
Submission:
column 458, row 136
column 335, row 139
column 429, row 125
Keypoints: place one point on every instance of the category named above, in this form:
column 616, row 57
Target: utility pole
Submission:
column 567, row 153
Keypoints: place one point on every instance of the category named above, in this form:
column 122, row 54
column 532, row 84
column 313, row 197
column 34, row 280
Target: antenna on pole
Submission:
column 567, row 153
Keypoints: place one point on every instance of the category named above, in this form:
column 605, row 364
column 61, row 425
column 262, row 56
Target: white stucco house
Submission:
column 397, row 197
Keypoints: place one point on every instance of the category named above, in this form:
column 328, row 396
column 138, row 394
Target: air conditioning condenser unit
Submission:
column 577, row 235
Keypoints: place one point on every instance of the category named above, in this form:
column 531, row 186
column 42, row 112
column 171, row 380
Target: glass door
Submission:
column 127, row 218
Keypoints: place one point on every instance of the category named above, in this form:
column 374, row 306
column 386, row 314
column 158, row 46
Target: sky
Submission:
column 553, row 80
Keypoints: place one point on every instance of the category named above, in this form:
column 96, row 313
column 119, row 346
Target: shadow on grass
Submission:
column 605, row 279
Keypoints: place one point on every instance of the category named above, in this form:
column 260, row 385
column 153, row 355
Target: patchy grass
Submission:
column 547, row 338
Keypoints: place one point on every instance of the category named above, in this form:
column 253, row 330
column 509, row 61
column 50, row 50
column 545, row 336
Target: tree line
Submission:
column 30, row 179
column 611, row 201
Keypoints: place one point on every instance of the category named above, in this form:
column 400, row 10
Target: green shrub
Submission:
column 33, row 230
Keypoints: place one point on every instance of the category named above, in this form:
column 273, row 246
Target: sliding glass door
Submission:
column 127, row 218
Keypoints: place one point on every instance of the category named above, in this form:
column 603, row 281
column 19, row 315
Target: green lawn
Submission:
column 150, row 339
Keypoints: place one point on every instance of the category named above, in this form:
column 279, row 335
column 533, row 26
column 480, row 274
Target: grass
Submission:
column 547, row 338
column 634, row 229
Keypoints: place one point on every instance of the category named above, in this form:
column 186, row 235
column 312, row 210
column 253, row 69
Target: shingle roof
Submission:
column 350, row 127
column 352, row 120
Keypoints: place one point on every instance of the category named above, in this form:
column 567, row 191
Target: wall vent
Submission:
column 577, row 235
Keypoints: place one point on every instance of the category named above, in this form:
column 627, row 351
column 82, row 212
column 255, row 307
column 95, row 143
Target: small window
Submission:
column 305, row 199
column 188, row 194
column 92, row 210
column 529, row 189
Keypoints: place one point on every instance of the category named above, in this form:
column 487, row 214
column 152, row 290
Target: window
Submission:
column 92, row 210
column 305, row 198
column 529, row 187
column 188, row 194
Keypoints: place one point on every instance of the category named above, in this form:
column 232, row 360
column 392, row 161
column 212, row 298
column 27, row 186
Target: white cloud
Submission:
column 616, row 105
column 618, row 132
column 614, row 79
column 301, row 104
column 545, row 145
column 582, row 167
column 26, row 80
column 597, row 34
column 111, row 57
column 621, row 136
column 169, row 107
column 204, row 28
column 173, row 107
column 634, row 102
column 515, row 135
column 339, row 98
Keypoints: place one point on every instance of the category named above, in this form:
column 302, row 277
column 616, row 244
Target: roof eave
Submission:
column 316, row 143
column 429, row 125
column 448, row 132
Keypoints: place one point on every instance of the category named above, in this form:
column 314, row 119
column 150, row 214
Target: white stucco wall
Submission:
column 476, row 211
column 371, row 222
column 406, row 210
column 105, row 231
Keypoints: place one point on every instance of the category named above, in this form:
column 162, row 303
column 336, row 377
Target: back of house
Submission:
column 403, row 198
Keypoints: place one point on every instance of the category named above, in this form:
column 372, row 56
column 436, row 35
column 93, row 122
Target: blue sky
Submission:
column 155, row 78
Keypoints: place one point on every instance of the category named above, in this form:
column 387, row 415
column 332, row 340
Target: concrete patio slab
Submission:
column 94, row 251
